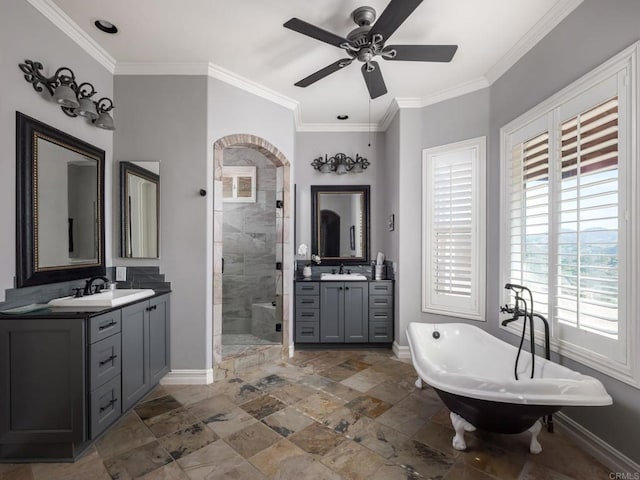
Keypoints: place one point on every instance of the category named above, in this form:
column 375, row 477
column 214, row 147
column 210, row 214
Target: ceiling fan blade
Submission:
column 421, row 53
column 373, row 79
column 396, row 12
column 320, row 74
column 312, row 31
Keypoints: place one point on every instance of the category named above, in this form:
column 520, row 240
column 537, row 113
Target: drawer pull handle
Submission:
column 108, row 360
column 308, row 314
column 379, row 287
column 111, row 402
column 151, row 308
column 308, row 300
column 108, row 325
column 380, row 315
column 307, row 331
column 308, row 288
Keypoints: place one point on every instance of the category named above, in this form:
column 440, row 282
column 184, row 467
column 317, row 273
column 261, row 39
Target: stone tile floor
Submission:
column 341, row 414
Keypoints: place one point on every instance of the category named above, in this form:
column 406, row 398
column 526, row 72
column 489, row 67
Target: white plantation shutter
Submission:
column 239, row 184
column 453, row 237
column 570, row 222
column 529, row 218
column 586, row 296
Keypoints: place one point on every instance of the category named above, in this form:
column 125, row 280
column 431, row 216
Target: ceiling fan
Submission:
column 368, row 41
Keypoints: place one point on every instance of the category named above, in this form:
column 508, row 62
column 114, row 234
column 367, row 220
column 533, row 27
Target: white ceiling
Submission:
column 246, row 41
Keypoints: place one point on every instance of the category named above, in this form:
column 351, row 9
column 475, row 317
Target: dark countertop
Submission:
column 316, row 278
column 72, row 312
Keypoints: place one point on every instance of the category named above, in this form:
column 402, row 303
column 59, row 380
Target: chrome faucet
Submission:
column 89, row 284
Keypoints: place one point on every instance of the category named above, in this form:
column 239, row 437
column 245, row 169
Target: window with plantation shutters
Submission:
column 239, row 184
column 569, row 172
column 453, row 223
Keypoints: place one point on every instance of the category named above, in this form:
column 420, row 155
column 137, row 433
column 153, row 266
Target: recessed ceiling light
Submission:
column 106, row 27
column 342, row 117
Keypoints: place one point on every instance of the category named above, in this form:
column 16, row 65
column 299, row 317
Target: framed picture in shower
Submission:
column 352, row 237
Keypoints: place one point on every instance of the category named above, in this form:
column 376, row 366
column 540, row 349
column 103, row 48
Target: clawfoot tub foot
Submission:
column 460, row 425
column 418, row 383
column 535, row 446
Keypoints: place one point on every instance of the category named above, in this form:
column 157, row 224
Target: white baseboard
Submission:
column 401, row 351
column 292, row 350
column 188, row 377
column 596, row 447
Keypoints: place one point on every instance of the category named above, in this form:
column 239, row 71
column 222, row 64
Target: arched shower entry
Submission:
column 247, row 319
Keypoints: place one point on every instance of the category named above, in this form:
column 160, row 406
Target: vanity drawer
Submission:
column 380, row 301
column 304, row 302
column 105, row 406
column 104, row 326
column 381, row 288
column 307, row 315
column 380, row 332
column 307, row 288
column 104, row 357
column 307, row 332
column 381, row 315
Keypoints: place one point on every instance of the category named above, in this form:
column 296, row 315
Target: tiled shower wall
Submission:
column 249, row 244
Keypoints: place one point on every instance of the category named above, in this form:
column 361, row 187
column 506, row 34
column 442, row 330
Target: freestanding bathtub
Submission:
column 472, row 372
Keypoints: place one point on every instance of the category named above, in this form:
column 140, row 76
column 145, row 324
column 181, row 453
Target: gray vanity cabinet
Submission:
column 42, row 385
column 145, row 347
column 344, row 312
column 65, row 380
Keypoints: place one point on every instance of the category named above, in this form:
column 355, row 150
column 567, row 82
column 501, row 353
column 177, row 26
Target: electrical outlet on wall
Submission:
column 121, row 274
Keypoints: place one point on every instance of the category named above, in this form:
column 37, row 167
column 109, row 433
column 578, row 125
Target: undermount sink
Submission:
column 342, row 276
column 110, row 298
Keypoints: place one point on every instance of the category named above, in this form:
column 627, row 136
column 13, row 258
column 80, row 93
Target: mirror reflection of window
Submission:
column 67, row 186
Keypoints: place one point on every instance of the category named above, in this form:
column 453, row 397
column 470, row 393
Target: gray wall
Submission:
column 30, row 36
column 164, row 118
column 594, row 32
column 249, row 248
column 310, row 145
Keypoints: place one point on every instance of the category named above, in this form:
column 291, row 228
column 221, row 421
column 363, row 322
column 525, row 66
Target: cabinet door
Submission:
column 42, row 380
column 356, row 312
column 331, row 312
column 135, row 353
column 158, row 338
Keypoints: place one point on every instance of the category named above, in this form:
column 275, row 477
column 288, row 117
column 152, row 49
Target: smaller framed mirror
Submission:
column 340, row 223
column 140, row 209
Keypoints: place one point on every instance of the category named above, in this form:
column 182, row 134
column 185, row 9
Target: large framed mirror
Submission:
column 139, row 209
column 340, row 223
column 60, row 205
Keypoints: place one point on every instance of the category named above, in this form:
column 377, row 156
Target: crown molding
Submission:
column 409, row 102
column 171, row 68
column 455, row 91
column 339, row 127
column 61, row 20
column 250, row 86
column 389, row 115
column 547, row 23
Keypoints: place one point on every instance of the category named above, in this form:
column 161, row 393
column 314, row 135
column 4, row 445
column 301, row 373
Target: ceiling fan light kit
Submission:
column 368, row 40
